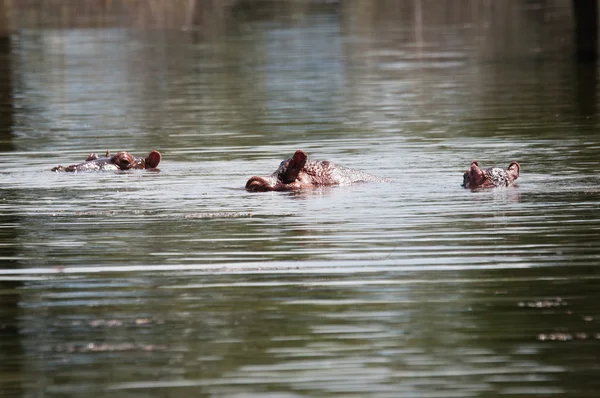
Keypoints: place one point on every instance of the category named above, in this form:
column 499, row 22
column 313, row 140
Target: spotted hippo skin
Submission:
column 299, row 172
column 120, row 161
column 491, row 177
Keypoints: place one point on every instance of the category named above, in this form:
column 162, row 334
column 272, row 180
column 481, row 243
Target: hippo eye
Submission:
column 281, row 177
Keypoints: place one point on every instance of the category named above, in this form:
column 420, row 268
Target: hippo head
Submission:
column 123, row 160
column 126, row 161
column 475, row 177
column 288, row 176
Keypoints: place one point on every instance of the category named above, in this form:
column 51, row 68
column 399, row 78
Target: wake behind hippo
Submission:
column 299, row 172
column 120, row 161
column 491, row 177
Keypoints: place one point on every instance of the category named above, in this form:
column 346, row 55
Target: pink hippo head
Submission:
column 287, row 177
column 491, row 177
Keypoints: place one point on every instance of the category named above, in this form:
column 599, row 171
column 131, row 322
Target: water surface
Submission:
column 180, row 283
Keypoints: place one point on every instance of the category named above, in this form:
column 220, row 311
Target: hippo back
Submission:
column 327, row 173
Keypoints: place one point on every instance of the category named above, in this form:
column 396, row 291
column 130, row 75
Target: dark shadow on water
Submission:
column 6, row 86
column 586, row 82
column 11, row 350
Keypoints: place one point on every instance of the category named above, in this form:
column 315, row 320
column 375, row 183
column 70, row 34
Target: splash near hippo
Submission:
column 491, row 177
column 298, row 172
column 120, row 161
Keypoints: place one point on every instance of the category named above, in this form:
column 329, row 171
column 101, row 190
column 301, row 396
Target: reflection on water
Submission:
column 181, row 283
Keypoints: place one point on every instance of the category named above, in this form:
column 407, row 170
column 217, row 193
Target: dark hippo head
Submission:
column 491, row 177
column 121, row 161
column 299, row 172
column 125, row 161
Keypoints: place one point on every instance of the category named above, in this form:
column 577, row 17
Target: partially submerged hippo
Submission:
column 120, row 161
column 490, row 177
column 298, row 172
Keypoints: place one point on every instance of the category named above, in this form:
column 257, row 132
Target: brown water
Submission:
column 180, row 283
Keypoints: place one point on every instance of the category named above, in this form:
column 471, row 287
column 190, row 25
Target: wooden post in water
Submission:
column 586, row 29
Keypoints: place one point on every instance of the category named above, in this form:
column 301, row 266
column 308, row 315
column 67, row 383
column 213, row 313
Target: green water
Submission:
column 180, row 283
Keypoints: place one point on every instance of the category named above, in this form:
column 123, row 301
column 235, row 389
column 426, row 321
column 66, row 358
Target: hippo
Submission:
column 120, row 161
column 491, row 177
column 299, row 172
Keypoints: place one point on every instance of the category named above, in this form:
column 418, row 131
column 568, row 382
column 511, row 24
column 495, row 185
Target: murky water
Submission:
column 180, row 283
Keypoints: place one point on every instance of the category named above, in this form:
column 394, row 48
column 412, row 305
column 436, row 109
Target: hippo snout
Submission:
column 258, row 184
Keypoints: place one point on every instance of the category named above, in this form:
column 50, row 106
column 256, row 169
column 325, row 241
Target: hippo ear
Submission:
column 290, row 171
column 514, row 169
column 299, row 159
column 152, row 160
column 476, row 173
column 474, row 176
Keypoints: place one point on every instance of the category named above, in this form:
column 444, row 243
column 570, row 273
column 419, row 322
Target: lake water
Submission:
column 180, row 283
